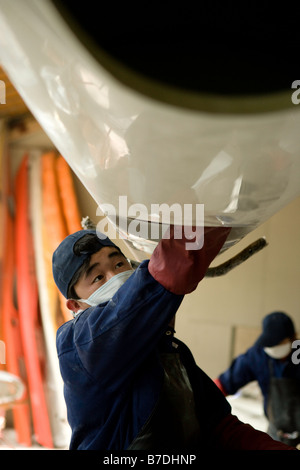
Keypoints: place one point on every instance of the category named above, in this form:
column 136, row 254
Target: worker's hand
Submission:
column 179, row 269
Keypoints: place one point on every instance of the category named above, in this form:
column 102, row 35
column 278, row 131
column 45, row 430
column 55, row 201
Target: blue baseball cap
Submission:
column 276, row 327
column 65, row 263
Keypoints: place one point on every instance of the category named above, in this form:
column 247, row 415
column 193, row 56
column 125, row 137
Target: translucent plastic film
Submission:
column 243, row 167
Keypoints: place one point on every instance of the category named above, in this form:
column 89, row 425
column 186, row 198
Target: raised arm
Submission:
column 180, row 270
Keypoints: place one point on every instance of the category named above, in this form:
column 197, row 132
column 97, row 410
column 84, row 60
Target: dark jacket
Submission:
column 111, row 360
column 255, row 364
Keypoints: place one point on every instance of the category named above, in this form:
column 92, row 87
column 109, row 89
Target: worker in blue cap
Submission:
column 129, row 383
column 270, row 362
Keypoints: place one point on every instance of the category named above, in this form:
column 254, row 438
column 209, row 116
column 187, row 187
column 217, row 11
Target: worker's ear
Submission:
column 73, row 305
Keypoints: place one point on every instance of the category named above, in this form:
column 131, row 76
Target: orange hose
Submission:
column 68, row 195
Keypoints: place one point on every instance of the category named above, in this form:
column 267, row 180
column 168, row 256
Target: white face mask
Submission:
column 280, row 351
column 107, row 290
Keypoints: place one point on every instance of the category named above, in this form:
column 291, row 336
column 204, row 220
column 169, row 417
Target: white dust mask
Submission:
column 107, row 290
column 280, row 351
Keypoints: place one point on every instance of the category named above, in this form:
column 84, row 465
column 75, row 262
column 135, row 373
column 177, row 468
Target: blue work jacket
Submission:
column 255, row 364
column 109, row 358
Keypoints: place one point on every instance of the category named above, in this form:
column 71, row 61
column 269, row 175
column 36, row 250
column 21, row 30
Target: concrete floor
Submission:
column 247, row 405
column 8, row 442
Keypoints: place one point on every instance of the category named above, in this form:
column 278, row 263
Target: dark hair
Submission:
column 88, row 244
